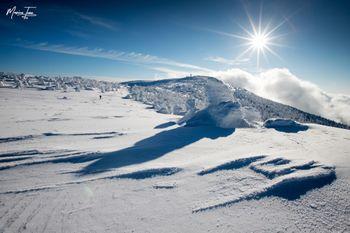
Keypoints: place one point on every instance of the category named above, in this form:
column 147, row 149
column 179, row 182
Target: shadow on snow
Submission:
column 154, row 147
column 291, row 129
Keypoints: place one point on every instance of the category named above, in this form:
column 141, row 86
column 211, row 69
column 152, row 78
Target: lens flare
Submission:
column 259, row 39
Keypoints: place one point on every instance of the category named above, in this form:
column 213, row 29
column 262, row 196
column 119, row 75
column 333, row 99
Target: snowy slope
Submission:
column 75, row 163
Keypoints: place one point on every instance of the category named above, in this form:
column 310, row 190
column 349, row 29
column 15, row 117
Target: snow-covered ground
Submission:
column 70, row 162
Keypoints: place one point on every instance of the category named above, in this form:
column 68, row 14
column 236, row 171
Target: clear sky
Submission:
column 153, row 39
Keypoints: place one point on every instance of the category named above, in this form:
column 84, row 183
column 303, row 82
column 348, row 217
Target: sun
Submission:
column 259, row 37
column 259, row 41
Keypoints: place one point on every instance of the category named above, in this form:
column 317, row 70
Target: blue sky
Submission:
column 156, row 39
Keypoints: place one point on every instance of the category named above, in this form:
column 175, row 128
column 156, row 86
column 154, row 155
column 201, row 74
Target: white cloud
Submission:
column 282, row 86
column 130, row 57
column 237, row 78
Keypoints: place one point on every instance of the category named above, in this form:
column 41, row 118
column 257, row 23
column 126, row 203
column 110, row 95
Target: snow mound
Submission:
column 180, row 96
column 223, row 115
column 285, row 125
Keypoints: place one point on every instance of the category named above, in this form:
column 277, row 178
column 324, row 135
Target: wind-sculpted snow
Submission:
column 286, row 181
column 35, row 157
column 277, row 161
column 21, row 153
column 11, row 80
column 99, row 135
column 136, row 175
column 150, row 173
column 112, row 133
column 180, row 96
column 223, row 115
column 17, row 138
column 270, row 170
column 235, row 164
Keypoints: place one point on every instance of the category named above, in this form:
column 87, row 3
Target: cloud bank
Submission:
column 282, row 86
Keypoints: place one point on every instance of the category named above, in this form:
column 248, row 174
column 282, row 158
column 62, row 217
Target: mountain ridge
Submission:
column 149, row 92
